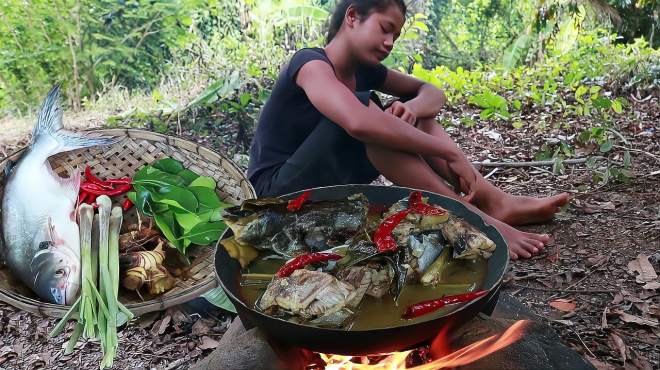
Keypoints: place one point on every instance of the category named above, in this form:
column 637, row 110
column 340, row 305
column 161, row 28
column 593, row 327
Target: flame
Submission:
column 463, row 356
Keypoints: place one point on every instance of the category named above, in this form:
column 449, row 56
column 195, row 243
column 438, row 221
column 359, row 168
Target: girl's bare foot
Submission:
column 522, row 244
column 522, row 210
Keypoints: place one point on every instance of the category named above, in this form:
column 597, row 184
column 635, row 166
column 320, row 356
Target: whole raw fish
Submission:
column 41, row 236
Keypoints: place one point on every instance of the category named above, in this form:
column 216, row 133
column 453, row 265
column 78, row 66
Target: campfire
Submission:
column 435, row 356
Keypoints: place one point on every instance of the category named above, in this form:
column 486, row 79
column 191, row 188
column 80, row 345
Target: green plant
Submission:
column 492, row 104
column 184, row 204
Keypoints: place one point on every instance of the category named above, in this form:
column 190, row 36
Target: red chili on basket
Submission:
column 127, row 205
column 98, row 190
column 304, row 260
column 93, row 187
column 425, row 307
column 297, row 203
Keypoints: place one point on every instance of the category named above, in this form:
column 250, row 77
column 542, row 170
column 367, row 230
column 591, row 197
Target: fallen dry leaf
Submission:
column 654, row 310
column 652, row 285
column 34, row 362
column 636, row 319
column 562, row 304
column 590, row 208
column 600, row 365
column 148, row 319
column 617, row 343
column 6, row 353
column 200, row 327
column 643, row 267
column 603, row 321
column 161, row 325
column 208, row 343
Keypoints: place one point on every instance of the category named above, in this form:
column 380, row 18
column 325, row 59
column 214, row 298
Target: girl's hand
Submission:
column 402, row 111
column 467, row 179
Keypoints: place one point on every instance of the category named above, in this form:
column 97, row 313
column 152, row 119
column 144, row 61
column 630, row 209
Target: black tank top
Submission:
column 288, row 116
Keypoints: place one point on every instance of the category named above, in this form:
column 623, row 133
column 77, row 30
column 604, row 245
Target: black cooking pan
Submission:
column 381, row 340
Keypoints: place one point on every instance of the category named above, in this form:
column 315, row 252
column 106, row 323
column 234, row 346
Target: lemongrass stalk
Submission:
column 87, row 310
column 105, row 205
column 110, row 273
column 116, row 217
column 95, row 249
column 71, row 344
column 126, row 311
column 67, row 316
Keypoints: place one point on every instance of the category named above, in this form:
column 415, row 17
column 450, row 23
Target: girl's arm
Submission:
column 370, row 124
column 428, row 99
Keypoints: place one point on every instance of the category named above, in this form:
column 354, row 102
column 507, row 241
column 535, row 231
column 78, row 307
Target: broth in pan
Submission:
column 460, row 276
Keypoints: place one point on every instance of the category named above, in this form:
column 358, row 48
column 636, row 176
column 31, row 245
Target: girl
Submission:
column 323, row 126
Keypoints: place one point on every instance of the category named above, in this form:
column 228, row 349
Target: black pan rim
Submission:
column 491, row 290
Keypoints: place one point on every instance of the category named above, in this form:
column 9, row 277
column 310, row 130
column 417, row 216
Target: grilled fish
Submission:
column 310, row 297
column 468, row 242
column 266, row 224
column 41, row 238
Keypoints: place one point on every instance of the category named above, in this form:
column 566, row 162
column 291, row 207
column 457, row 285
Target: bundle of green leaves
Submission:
column 183, row 204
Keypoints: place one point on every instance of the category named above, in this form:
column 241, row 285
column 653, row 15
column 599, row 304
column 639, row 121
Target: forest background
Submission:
column 197, row 63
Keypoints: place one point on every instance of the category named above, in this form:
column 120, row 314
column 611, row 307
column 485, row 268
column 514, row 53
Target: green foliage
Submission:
column 86, row 44
column 183, row 204
column 492, row 104
column 570, row 83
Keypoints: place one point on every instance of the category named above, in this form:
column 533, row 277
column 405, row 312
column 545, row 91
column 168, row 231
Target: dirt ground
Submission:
column 596, row 284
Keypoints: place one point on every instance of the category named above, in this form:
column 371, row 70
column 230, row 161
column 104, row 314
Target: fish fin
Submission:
column 8, row 167
column 49, row 124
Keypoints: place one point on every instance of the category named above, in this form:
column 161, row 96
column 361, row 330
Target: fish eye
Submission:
column 59, row 272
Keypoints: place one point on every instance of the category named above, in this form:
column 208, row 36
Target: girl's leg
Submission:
column 514, row 210
column 412, row 171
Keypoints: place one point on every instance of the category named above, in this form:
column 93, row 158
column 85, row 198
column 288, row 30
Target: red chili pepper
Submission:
column 98, row 190
column 297, row 203
column 81, row 197
column 89, row 176
column 304, row 260
column 415, row 205
column 85, row 197
column 121, row 181
column 127, row 205
column 89, row 198
column 383, row 236
column 422, row 308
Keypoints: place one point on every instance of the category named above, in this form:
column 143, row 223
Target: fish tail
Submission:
column 49, row 124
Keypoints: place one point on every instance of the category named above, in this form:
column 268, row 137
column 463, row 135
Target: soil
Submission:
column 585, row 284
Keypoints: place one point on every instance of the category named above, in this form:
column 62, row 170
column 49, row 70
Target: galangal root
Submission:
column 146, row 267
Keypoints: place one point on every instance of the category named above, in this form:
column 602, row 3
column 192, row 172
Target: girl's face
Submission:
column 373, row 36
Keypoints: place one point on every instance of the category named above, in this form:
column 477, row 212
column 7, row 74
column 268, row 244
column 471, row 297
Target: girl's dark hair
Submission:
column 363, row 8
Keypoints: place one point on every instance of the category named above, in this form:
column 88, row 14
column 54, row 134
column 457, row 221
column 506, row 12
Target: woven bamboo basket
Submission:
column 136, row 148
